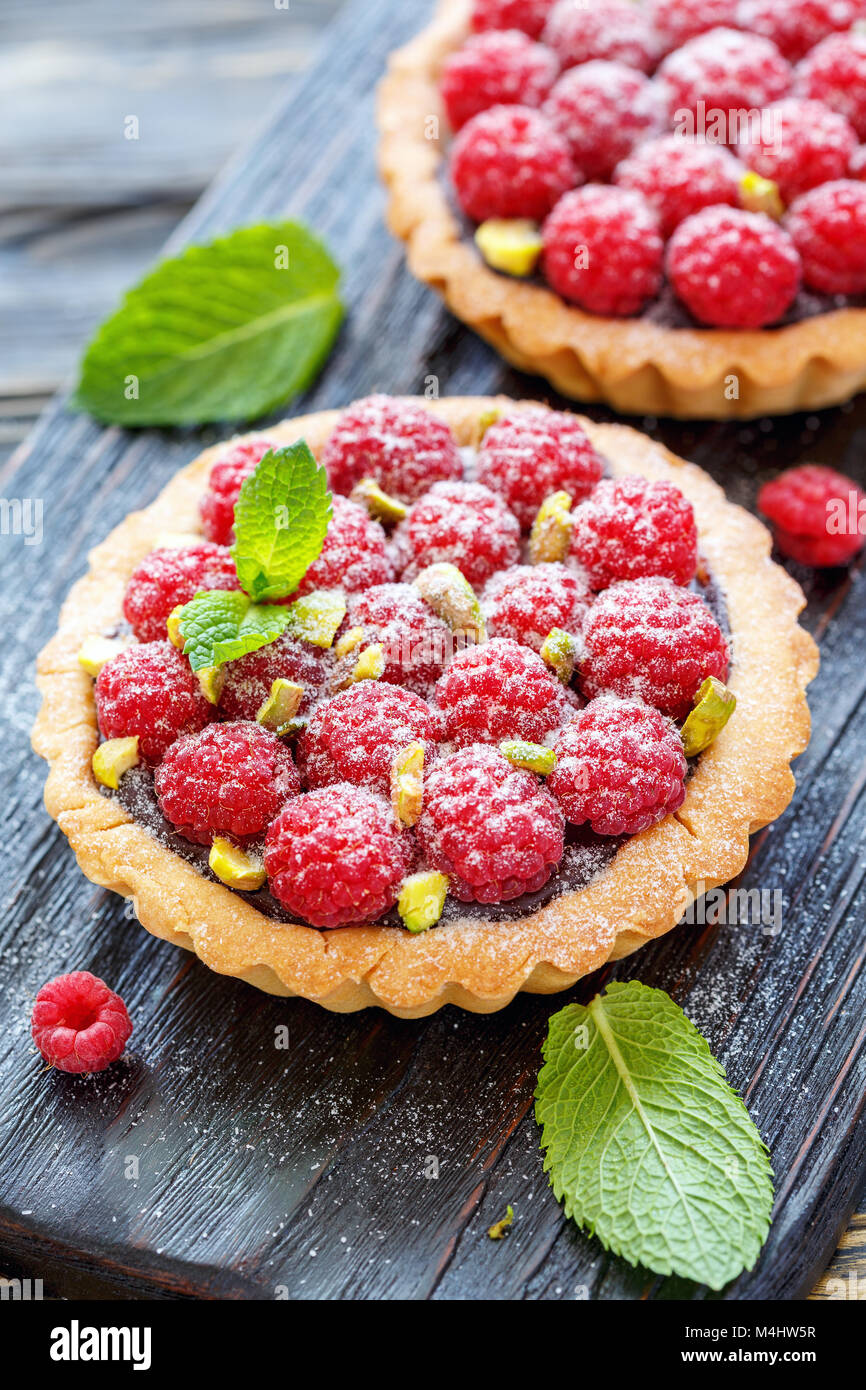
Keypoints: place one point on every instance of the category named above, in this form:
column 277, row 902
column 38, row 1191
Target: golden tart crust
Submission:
column 742, row 782
column 636, row 366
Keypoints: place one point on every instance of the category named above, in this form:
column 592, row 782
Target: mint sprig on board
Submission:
column 281, row 518
column 224, row 331
column 647, row 1145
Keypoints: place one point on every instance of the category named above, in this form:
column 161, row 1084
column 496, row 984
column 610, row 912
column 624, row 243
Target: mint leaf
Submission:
column 647, row 1145
column 224, row 331
column 223, row 624
column 281, row 518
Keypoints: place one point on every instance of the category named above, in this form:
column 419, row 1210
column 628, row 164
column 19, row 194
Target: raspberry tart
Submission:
column 426, row 788
column 593, row 188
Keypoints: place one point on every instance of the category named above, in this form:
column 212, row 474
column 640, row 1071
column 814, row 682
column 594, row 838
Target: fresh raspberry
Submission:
column 336, row 856
column 603, row 249
column 150, row 691
column 248, row 680
column 677, row 21
column 620, row 766
column 404, row 447
column 464, row 524
column 651, row 639
column 496, row 69
column 528, row 454
column 711, row 260
column 527, row 602
column 354, row 555
column 725, row 70
column 489, row 826
column 528, row 15
column 233, row 466
column 818, row 515
column 680, row 177
column 79, row 1024
column 356, row 736
column 614, row 29
column 499, row 690
column 603, row 109
column 228, row 779
column 415, row 643
column 632, row 527
column 807, row 144
column 509, row 161
column 835, row 73
column 165, row 578
column 828, row 226
column 796, row 26
column 857, row 163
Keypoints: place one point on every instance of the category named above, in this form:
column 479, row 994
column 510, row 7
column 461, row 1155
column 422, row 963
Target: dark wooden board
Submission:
column 262, row 1170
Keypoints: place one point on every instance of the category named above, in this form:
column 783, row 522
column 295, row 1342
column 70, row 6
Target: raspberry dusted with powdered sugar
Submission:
column 228, row 779
column 711, row 260
column 509, row 161
column 528, row 454
column 356, row 736
column 796, row 26
column 396, row 442
column 527, row 602
column 857, row 163
column 337, row 856
column 603, row 249
column 497, row 691
column 725, row 71
column 496, row 69
column 248, row 680
column 227, row 476
column 631, row 527
column 679, row 177
column 613, row 29
column 354, row 554
column 416, row 645
column 603, row 109
column 818, row 515
column 653, row 640
column 805, row 144
column 620, row 766
column 166, row 578
column 835, row 73
column 527, row 15
column 489, row 826
column 828, row 227
column 677, row 21
column 462, row 524
column 148, row 691
column 79, row 1024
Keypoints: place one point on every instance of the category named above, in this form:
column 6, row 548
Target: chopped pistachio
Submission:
column 512, row 244
column 211, row 679
column 389, row 510
column 94, row 652
column 500, row 1228
column 113, row 758
column 316, row 617
column 172, row 627
column 349, row 641
column 559, row 651
column 452, row 598
column 758, row 194
column 370, row 664
column 279, row 709
column 713, row 706
column 532, row 756
column 550, row 537
column 234, row 867
column 422, row 899
column 486, row 419
column 407, row 784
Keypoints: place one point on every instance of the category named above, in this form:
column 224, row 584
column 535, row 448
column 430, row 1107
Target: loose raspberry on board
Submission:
column 79, row 1024
column 818, row 515
column 148, row 691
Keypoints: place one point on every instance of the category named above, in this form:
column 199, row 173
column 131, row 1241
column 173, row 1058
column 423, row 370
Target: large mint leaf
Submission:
column 223, row 624
column 224, row 331
column 281, row 518
column 647, row 1145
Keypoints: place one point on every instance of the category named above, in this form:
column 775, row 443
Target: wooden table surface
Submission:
column 309, row 1165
